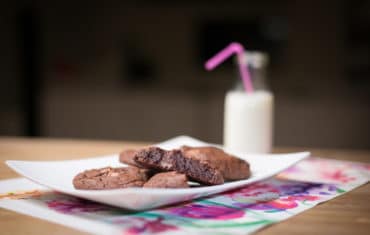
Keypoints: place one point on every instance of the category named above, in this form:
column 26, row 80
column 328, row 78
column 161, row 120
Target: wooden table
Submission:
column 347, row 214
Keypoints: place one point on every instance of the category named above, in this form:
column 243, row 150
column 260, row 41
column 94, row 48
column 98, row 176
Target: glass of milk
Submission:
column 248, row 121
column 248, row 117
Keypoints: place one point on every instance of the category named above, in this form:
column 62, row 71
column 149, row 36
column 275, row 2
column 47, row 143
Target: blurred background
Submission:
column 133, row 70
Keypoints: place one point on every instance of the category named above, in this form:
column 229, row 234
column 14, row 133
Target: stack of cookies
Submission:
column 153, row 167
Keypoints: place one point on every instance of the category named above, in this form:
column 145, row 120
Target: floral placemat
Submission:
column 241, row 211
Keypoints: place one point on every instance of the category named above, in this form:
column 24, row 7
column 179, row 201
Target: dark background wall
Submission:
column 134, row 69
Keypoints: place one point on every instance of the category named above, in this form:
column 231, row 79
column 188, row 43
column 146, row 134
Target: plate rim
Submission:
column 13, row 164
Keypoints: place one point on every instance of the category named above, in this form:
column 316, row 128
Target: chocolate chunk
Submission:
column 170, row 179
column 175, row 160
column 111, row 178
column 231, row 167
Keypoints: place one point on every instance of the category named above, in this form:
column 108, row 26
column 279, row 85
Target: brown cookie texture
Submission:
column 111, row 178
column 170, row 179
column 175, row 160
column 231, row 167
column 127, row 157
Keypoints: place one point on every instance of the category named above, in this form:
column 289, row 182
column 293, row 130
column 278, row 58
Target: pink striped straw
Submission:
column 228, row 51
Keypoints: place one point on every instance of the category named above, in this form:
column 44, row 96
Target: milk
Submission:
column 248, row 121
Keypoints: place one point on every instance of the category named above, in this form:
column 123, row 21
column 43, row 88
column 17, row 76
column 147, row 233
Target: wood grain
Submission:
column 347, row 214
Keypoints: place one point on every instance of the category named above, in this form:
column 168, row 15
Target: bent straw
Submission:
column 221, row 56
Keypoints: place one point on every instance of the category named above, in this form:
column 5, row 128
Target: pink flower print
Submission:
column 270, row 197
column 150, row 226
column 75, row 205
column 282, row 204
column 337, row 176
column 323, row 171
column 201, row 211
column 278, row 205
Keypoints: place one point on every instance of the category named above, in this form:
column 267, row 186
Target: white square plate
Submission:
column 58, row 175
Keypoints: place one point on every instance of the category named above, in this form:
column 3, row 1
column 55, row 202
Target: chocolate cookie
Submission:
column 111, row 178
column 231, row 167
column 175, row 160
column 127, row 157
column 170, row 179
